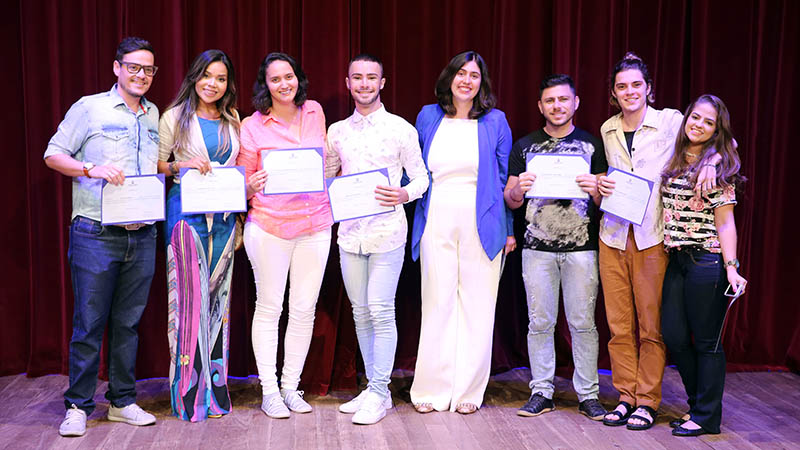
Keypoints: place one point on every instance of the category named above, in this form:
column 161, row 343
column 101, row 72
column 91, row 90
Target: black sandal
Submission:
column 679, row 421
column 648, row 423
column 623, row 418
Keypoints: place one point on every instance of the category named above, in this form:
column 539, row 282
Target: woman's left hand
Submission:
column 735, row 279
column 511, row 244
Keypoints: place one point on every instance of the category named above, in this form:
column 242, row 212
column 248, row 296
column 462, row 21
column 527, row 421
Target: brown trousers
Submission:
column 632, row 281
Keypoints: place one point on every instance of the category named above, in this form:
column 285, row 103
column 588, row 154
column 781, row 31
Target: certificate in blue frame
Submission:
column 336, row 209
column 306, row 186
column 242, row 207
column 530, row 156
column 639, row 218
column 151, row 213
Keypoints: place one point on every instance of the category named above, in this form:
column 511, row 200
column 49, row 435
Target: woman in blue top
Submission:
column 461, row 226
column 200, row 129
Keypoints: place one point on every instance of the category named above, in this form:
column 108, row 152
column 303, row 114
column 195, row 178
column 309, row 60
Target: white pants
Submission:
column 459, row 293
column 303, row 259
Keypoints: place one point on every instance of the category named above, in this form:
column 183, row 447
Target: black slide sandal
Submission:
column 623, row 418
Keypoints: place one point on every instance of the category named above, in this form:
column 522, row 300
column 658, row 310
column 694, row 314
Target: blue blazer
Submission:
column 493, row 217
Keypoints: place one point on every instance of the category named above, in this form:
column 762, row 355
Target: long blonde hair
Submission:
column 185, row 102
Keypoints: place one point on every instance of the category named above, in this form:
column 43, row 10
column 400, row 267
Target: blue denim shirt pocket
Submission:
column 149, row 151
column 116, row 139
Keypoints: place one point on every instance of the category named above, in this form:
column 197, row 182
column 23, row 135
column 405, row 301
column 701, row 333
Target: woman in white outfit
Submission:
column 461, row 226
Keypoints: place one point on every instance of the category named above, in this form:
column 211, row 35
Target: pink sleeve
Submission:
column 248, row 150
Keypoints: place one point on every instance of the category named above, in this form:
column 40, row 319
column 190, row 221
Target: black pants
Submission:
column 692, row 312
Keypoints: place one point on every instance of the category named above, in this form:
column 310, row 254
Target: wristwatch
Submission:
column 734, row 262
column 87, row 166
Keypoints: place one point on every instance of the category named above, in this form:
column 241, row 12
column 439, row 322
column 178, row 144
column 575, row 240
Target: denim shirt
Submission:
column 101, row 129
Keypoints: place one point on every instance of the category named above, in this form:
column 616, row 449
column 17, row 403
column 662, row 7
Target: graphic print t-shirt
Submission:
column 560, row 225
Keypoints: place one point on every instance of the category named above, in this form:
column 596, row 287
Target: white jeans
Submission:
column 459, row 293
column 371, row 283
column 303, row 259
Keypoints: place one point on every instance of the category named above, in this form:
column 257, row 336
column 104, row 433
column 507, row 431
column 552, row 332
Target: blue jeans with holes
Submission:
column 111, row 273
column 371, row 283
column 576, row 273
column 692, row 310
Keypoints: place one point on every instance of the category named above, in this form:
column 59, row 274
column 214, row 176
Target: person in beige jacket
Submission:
column 200, row 131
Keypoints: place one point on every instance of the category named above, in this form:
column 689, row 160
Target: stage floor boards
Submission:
column 760, row 411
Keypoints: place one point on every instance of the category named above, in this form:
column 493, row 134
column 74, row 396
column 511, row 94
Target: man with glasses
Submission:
column 108, row 136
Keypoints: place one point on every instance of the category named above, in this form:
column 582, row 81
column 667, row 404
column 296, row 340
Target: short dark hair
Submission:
column 556, row 79
column 482, row 103
column 631, row 61
column 262, row 99
column 131, row 44
column 365, row 57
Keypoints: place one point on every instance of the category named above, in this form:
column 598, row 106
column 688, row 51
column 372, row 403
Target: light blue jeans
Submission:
column 371, row 283
column 542, row 273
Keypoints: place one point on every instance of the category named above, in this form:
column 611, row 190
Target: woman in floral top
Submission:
column 700, row 235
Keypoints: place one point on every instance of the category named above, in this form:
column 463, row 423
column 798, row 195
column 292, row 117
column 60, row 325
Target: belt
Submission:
column 688, row 249
column 132, row 226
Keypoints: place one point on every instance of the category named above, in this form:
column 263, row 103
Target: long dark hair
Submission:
column 482, row 103
column 631, row 61
column 262, row 99
column 186, row 101
column 721, row 142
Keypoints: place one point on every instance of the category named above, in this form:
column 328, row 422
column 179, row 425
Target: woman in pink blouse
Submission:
column 285, row 234
column 700, row 235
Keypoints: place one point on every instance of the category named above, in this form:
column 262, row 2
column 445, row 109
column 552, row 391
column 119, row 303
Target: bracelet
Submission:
column 172, row 167
column 710, row 165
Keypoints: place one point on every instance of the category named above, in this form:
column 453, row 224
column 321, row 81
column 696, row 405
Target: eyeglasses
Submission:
column 135, row 68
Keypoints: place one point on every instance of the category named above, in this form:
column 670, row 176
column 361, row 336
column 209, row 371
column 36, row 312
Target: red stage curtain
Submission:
column 56, row 52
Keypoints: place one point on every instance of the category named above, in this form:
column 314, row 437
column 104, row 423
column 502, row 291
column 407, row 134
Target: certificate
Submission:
column 630, row 197
column 353, row 196
column 293, row 170
column 221, row 190
column 555, row 175
column 139, row 199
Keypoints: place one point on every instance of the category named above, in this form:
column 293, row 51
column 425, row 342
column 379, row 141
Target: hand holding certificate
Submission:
column 221, row 190
column 630, row 196
column 293, row 171
column 556, row 174
column 139, row 199
column 353, row 196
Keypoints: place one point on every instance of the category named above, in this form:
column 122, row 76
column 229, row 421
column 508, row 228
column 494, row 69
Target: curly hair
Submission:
column 262, row 99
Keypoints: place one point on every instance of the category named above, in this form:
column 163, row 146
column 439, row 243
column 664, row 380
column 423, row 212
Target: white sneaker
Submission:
column 131, row 414
column 74, row 423
column 294, row 400
column 353, row 405
column 372, row 409
column 273, row 406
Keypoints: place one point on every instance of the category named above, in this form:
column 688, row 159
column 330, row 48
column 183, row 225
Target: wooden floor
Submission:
column 760, row 411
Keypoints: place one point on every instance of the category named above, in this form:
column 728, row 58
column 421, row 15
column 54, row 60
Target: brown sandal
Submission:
column 466, row 408
column 423, row 408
